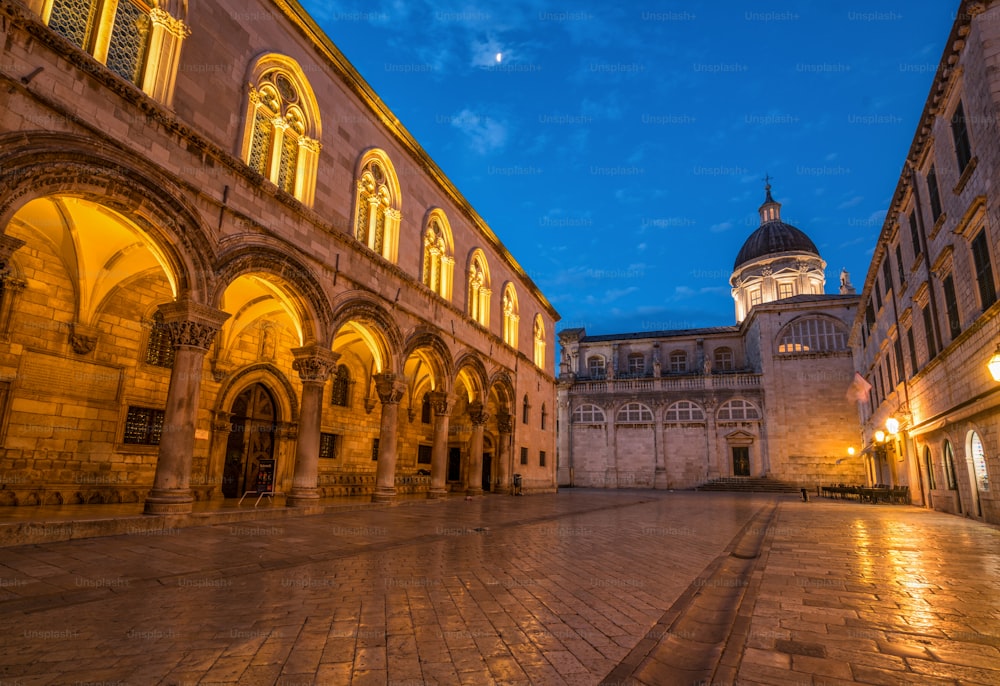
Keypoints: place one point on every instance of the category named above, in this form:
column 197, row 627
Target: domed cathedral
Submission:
column 764, row 398
column 777, row 261
column 279, row 290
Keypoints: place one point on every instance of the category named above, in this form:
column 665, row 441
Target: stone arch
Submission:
column 427, row 338
column 471, row 366
column 357, row 306
column 271, row 61
column 811, row 333
column 504, row 386
column 39, row 165
column 377, row 201
column 303, row 287
column 270, row 376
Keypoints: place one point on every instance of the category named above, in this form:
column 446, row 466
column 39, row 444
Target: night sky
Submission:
column 619, row 149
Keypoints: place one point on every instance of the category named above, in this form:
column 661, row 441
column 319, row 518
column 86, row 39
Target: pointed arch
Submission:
column 282, row 126
column 377, row 204
column 438, row 266
column 435, row 351
column 470, row 372
column 478, row 299
column 508, row 303
column 538, row 331
column 375, row 326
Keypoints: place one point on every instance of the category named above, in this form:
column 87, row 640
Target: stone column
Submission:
column 564, row 437
column 474, row 477
column 505, row 428
column 314, row 364
column 439, row 457
column 192, row 329
column 390, row 392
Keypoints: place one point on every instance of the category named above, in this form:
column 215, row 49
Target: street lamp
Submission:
column 994, row 364
column 879, row 436
column 850, row 451
column 892, row 425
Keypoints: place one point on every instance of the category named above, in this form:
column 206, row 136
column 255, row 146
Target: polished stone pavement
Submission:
column 579, row 587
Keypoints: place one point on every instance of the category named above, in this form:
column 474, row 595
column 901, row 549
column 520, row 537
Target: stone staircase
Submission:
column 748, row 484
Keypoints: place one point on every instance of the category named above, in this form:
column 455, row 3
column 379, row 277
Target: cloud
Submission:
column 720, row 227
column 853, row 202
column 485, row 134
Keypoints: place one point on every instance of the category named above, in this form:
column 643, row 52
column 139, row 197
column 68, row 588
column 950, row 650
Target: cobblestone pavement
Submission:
column 580, row 587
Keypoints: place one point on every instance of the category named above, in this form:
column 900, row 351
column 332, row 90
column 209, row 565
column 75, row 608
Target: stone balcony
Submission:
column 667, row 383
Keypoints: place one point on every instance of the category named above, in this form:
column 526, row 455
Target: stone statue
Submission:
column 706, row 366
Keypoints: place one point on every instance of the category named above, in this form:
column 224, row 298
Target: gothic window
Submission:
column 438, row 265
column 933, row 193
column 723, row 359
column 929, row 466
column 280, row 141
column 376, row 206
column 545, row 416
column 785, row 290
column 341, row 387
column 143, row 426
column 813, row 334
column 425, row 409
column 737, row 409
column 960, row 134
column 684, row 411
column 984, row 270
column 539, row 337
column 595, row 367
column 510, row 315
column 678, row 362
column 116, row 33
column 479, row 289
column 524, row 410
column 979, row 462
column 159, row 349
column 634, row 413
column 588, row 414
column 636, row 364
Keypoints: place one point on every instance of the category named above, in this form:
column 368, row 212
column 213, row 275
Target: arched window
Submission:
column 737, row 409
column 588, row 414
column 723, row 359
column 341, row 387
column 281, row 139
column 979, row 462
column 595, row 367
column 479, row 289
column 376, row 205
column 929, row 466
column 510, row 315
column 539, row 335
column 545, row 416
column 159, row 348
column 678, row 362
column 524, row 409
column 634, row 413
column 949, row 467
column 684, row 411
column 813, row 334
column 137, row 40
column 438, row 266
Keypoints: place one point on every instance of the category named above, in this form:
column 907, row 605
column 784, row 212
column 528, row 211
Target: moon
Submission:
column 499, row 57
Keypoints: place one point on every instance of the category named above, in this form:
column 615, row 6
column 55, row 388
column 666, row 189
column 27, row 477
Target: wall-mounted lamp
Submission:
column 879, row 436
column 892, row 425
column 994, row 364
column 850, row 451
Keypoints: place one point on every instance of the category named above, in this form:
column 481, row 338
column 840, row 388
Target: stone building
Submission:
column 219, row 247
column 766, row 397
column 929, row 320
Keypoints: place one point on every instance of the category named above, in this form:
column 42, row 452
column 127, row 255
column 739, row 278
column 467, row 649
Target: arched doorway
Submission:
column 251, row 438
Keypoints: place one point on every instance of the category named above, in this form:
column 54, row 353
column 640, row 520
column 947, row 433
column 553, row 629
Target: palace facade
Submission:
column 766, row 397
column 219, row 248
column 929, row 320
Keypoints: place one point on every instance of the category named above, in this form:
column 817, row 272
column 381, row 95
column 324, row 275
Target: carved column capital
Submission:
column 192, row 324
column 441, row 403
column 83, row 339
column 314, row 363
column 477, row 413
column 505, row 422
column 390, row 390
column 161, row 17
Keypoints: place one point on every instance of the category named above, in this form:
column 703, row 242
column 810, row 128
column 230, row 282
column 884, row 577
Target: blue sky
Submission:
column 618, row 149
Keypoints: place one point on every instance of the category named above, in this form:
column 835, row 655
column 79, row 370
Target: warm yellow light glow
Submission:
column 850, row 451
column 892, row 425
column 879, row 436
column 994, row 364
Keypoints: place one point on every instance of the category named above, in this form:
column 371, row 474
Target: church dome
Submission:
column 774, row 236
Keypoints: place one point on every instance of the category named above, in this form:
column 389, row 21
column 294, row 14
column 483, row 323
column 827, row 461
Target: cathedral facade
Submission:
column 222, row 252
column 927, row 330
column 763, row 398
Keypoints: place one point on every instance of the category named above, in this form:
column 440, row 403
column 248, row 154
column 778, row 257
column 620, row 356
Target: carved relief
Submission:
column 390, row 390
